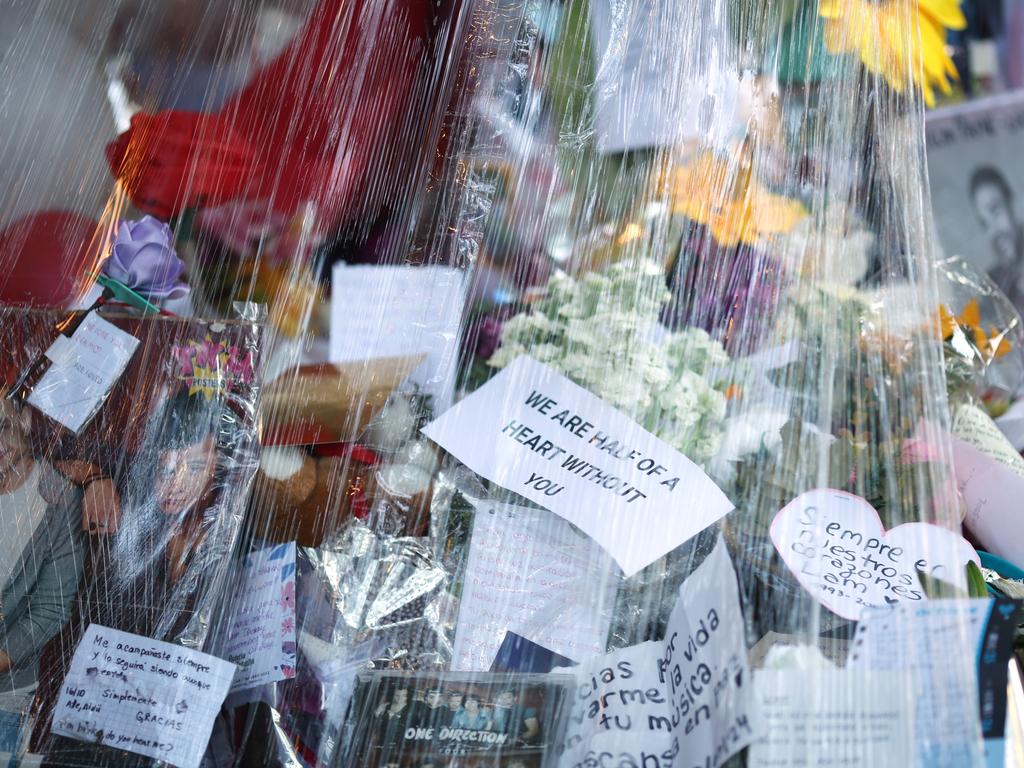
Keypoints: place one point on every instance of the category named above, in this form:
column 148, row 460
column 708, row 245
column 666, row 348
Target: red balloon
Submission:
column 44, row 258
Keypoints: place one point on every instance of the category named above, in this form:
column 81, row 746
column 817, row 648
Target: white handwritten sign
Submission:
column 835, row 545
column 530, row 573
column 540, row 435
column 141, row 695
column 83, row 370
column 834, row 718
column 690, row 694
column 261, row 638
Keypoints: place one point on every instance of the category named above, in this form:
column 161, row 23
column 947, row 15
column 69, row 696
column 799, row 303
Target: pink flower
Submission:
column 918, row 450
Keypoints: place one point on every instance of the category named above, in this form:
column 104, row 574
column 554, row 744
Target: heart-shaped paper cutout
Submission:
column 835, row 545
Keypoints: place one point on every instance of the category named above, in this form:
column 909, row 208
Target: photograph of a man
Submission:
column 996, row 209
column 433, row 711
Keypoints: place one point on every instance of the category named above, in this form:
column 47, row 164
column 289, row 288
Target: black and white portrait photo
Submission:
column 976, row 169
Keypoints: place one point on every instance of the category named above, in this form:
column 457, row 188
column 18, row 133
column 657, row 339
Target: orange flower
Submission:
column 731, row 202
column 991, row 345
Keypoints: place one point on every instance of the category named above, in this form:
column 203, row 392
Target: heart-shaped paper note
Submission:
column 835, row 545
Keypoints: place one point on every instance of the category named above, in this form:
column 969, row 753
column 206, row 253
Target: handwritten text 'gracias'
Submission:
column 573, row 464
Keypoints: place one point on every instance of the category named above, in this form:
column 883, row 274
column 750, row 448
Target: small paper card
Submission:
column 939, row 642
column 834, row 718
column 538, row 434
column 261, row 638
column 141, row 695
column 835, row 545
column 84, row 368
column 689, row 695
column 389, row 311
column 529, row 572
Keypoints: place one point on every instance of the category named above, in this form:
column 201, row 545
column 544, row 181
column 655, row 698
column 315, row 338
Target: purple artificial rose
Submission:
column 144, row 260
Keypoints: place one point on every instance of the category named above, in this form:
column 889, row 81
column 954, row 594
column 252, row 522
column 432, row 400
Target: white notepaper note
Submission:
column 83, row 370
column 649, row 89
column 142, row 695
column 939, row 642
column 387, row 311
column 528, row 572
column 834, row 718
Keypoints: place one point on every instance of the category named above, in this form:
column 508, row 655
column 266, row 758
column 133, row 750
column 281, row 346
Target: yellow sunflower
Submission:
column 904, row 41
column 727, row 199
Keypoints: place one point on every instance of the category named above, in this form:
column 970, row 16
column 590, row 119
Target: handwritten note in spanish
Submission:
column 835, row 545
column 141, row 695
column 689, row 695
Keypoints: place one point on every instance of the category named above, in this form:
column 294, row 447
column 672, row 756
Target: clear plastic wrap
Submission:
column 146, row 500
column 608, row 393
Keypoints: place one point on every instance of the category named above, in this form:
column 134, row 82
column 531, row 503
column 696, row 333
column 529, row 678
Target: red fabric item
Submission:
column 45, row 257
column 354, row 451
column 315, row 125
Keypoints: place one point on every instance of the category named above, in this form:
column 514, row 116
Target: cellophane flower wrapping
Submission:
column 495, row 383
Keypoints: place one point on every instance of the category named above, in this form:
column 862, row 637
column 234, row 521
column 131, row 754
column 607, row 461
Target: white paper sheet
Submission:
column 1011, row 424
column 834, row 718
column 538, row 434
column 261, row 637
column 83, row 370
column 976, row 428
column 992, row 491
column 528, row 572
column 690, row 695
column 835, row 545
column 648, row 90
column 141, row 695
column 386, row 311
column 939, row 642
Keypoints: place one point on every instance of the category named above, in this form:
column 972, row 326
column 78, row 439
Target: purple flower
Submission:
column 730, row 292
column 490, row 337
column 143, row 259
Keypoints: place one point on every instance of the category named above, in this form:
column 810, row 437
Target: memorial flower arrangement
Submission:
column 865, row 418
column 763, row 305
column 601, row 331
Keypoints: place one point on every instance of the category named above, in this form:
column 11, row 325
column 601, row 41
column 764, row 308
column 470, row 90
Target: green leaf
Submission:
column 937, row 589
column 123, row 293
column 976, row 585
